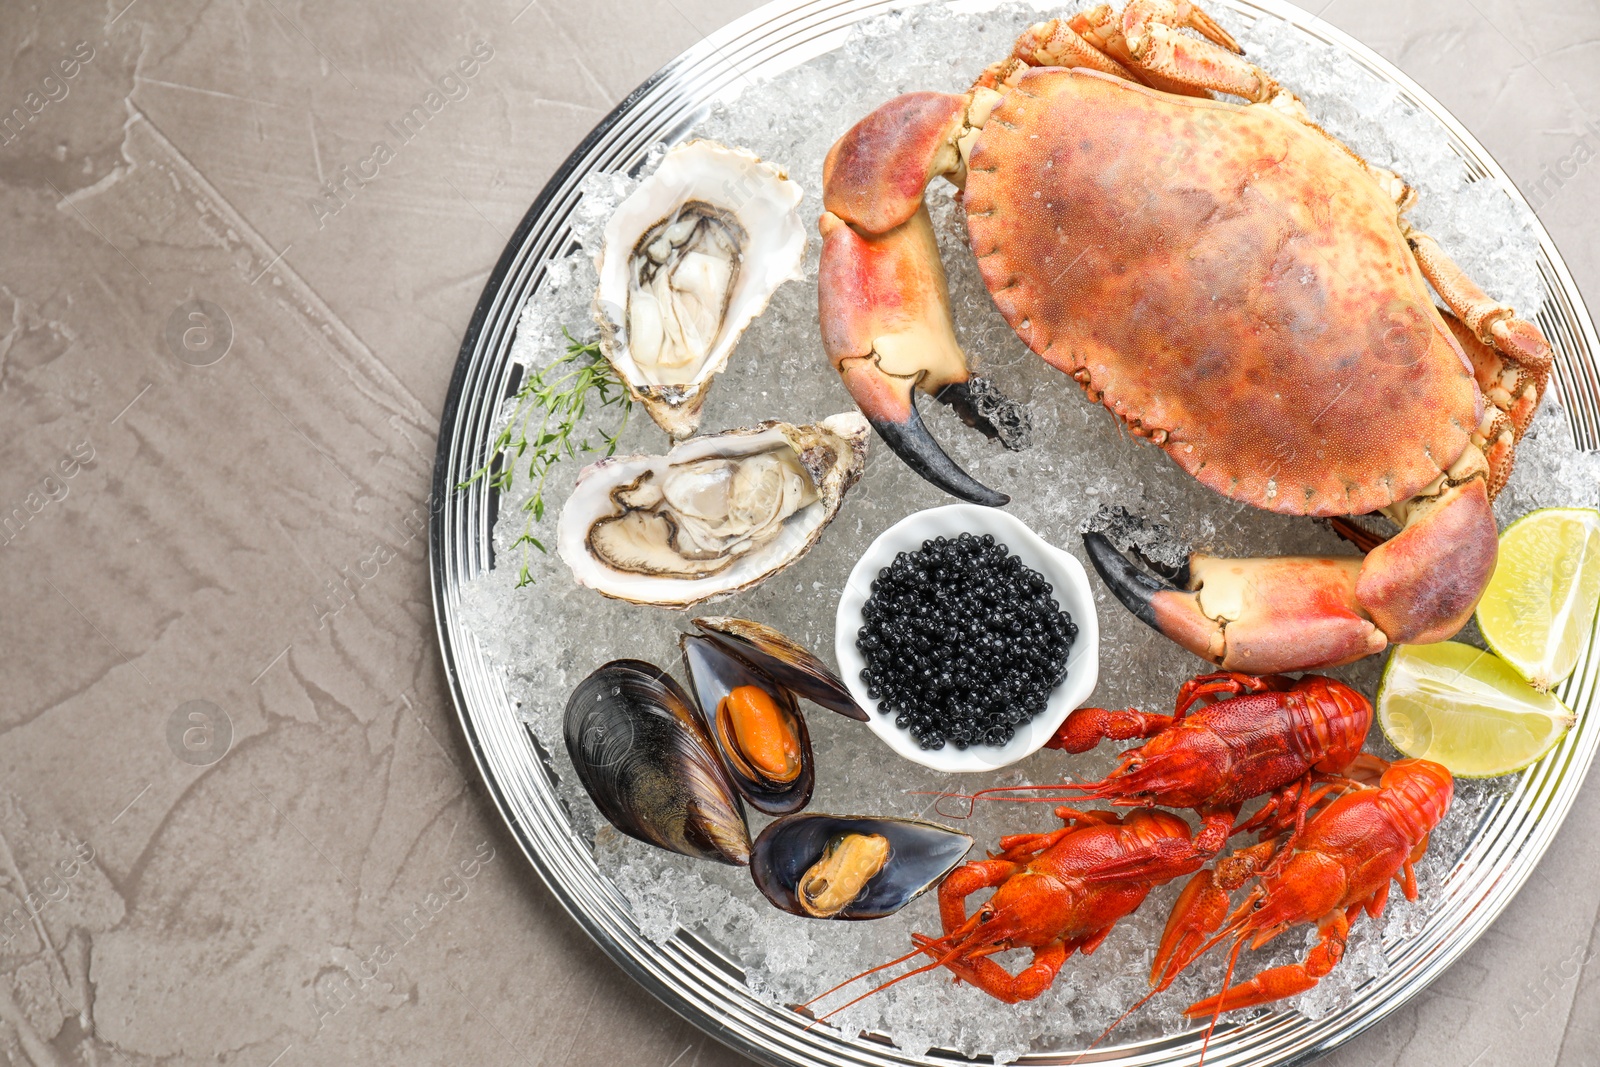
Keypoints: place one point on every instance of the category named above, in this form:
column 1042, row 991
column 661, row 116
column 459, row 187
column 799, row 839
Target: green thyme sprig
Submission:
column 559, row 395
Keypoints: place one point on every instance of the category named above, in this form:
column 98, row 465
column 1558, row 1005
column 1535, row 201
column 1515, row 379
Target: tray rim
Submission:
column 745, row 1022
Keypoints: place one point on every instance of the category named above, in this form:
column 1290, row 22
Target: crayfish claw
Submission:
column 1200, row 911
column 1157, row 863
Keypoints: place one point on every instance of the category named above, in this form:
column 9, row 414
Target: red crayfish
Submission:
column 1330, row 845
column 1050, row 895
column 1341, row 863
column 1232, row 737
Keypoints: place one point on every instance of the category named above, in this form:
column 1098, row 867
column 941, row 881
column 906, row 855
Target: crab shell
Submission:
column 764, row 202
column 1232, row 285
column 833, row 452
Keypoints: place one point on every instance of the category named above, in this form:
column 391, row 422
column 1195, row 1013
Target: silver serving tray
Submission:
column 695, row 979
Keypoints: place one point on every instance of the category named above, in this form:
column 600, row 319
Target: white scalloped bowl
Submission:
column 1071, row 589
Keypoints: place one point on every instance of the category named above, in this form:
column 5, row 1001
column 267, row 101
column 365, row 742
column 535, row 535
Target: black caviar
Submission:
column 962, row 641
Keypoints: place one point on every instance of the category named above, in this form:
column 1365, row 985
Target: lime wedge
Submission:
column 1538, row 612
column 1467, row 709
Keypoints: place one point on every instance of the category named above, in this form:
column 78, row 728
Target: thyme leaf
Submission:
column 547, row 426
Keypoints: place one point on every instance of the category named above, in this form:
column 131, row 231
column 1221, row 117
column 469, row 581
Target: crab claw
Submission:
column 1422, row 584
column 886, row 328
column 881, row 291
column 1260, row 616
column 1299, row 613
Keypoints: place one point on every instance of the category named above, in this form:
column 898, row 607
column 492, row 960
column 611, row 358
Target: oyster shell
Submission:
column 716, row 514
column 686, row 262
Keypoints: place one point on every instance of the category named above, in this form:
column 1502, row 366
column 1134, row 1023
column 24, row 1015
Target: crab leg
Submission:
column 881, row 291
column 1074, row 43
column 1491, row 322
column 1101, row 27
column 1149, row 32
column 1102, row 40
column 1510, row 357
column 1512, row 392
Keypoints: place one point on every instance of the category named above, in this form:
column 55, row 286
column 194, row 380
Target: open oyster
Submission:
column 686, row 262
column 715, row 515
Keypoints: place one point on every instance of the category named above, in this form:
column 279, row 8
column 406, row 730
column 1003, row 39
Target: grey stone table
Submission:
column 228, row 765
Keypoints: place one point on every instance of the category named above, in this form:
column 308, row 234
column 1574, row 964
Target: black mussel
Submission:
column 852, row 867
column 756, row 725
column 804, row 674
column 644, row 756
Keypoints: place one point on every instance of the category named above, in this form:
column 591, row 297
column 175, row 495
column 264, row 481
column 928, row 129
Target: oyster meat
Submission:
column 687, row 261
column 696, row 518
column 715, row 515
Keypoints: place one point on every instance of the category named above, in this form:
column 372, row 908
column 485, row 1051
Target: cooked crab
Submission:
column 1238, row 287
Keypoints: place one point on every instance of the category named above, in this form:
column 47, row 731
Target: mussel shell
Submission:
column 645, row 758
column 798, row 670
column 921, row 853
column 714, row 673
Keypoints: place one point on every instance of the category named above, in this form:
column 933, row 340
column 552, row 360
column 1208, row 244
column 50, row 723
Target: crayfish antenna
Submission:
column 1118, row 1021
column 1227, row 977
column 857, row 977
column 1084, row 791
column 1079, row 791
column 929, row 946
column 1233, row 959
column 938, row 807
column 935, row 965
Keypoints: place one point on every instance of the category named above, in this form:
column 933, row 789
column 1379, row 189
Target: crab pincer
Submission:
column 1290, row 613
column 882, row 296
